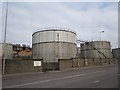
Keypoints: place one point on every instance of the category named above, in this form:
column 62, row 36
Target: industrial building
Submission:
column 12, row 51
column 22, row 51
column 53, row 44
column 6, row 50
column 116, row 53
column 96, row 49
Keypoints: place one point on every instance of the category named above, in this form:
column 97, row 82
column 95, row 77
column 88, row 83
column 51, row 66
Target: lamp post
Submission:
column 100, row 34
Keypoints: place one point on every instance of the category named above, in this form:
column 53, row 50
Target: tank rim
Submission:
column 100, row 41
column 96, row 41
column 53, row 42
column 54, row 29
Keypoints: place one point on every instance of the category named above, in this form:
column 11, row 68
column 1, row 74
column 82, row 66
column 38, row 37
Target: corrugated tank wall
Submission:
column 93, row 49
column 53, row 44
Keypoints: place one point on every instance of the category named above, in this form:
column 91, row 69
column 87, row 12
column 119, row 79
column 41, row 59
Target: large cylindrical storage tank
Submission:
column 96, row 49
column 6, row 50
column 53, row 44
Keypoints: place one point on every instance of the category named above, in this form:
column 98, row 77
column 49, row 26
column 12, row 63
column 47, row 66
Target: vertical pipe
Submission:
column 58, row 45
column 78, row 57
column 54, row 55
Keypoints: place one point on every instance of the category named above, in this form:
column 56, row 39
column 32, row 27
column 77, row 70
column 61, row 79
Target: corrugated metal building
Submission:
column 116, row 53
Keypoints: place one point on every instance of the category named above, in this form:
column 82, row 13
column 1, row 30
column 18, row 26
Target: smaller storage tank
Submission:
column 6, row 50
column 96, row 49
column 116, row 53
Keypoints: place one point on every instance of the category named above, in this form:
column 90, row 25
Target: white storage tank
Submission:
column 54, row 43
column 6, row 50
column 96, row 49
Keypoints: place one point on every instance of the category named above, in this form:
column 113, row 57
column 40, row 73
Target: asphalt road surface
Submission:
column 105, row 76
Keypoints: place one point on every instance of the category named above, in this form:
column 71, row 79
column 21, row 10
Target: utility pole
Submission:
column 3, row 59
column 6, row 22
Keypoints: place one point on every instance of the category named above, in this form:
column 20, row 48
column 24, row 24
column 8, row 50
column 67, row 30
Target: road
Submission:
column 105, row 76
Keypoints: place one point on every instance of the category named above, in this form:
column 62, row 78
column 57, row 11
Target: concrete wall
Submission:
column 24, row 66
column 21, row 66
column 65, row 63
column 73, row 63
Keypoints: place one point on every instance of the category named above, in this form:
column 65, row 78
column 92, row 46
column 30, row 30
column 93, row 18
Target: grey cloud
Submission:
column 86, row 23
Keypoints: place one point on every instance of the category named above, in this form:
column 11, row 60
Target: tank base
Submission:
column 50, row 66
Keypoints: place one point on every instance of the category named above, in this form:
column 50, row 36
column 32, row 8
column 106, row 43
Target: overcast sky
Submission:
column 87, row 19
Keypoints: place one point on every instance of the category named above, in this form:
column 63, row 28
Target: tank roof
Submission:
column 95, row 42
column 115, row 48
column 54, row 29
column 99, row 41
